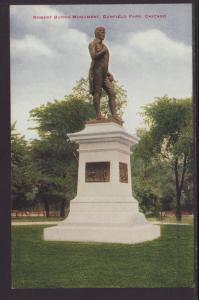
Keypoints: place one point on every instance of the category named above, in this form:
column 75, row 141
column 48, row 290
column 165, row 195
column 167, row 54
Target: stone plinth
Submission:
column 104, row 209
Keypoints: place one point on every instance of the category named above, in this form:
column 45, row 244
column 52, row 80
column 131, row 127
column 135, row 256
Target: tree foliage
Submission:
column 23, row 172
column 153, row 185
column 168, row 140
column 52, row 155
column 81, row 92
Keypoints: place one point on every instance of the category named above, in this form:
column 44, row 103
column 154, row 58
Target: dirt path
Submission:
column 56, row 222
column 166, row 223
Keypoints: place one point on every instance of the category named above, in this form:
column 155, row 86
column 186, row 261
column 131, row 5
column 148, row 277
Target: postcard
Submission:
column 102, row 164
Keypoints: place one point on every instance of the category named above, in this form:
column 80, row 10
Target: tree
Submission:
column 54, row 154
column 81, row 92
column 58, row 169
column 152, row 184
column 168, row 138
column 23, row 173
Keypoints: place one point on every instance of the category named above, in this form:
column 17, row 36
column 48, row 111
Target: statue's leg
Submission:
column 96, row 102
column 108, row 87
column 97, row 92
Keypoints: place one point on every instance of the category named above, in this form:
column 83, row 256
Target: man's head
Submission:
column 100, row 33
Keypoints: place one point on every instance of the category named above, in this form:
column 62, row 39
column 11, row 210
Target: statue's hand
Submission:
column 110, row 77
column 96, row 51
column 99, row 47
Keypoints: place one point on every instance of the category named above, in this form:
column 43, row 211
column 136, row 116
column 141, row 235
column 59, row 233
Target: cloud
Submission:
column 152, row 45
column 48, row 57
column 30, row 46
column 51, row 38
column 150, row 64
column 156, row 43
column 22, row 21
column 151, row 56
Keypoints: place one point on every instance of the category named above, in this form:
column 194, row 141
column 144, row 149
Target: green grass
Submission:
column 172, row 219
column 36, row 219
column 165, row 262
column 185, row 219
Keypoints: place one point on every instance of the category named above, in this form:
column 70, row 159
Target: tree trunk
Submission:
column 178, row 206
column 46, row 207
column 62, row 208
column 178, row 192
column 179, row 186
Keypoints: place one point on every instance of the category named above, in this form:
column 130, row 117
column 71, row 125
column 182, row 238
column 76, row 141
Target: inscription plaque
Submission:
column 98, row 171
column 123, row 172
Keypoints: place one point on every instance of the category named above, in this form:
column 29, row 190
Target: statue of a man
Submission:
column 99, row 77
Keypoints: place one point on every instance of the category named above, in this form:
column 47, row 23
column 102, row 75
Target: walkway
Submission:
column 56, row 222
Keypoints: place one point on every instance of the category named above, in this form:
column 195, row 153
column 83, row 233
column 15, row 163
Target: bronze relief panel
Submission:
column 123, row 172
column 98, row 172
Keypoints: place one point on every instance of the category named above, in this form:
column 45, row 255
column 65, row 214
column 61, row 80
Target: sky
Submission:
column 149, row 55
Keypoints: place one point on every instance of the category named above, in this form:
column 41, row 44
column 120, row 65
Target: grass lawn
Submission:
column 36, row 219
column 172, row 219
column 165, row 262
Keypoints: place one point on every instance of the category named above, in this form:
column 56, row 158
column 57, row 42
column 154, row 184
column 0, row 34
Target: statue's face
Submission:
column 101, row 33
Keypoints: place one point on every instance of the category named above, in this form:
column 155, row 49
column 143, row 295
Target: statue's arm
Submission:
column 93, row 53
column 110, row 76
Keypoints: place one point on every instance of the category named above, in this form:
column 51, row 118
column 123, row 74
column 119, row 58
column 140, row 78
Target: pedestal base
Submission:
column 103, row 234
column 104, row 209
column 105, row 222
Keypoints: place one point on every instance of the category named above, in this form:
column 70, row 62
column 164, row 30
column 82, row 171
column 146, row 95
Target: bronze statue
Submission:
column 99, row 77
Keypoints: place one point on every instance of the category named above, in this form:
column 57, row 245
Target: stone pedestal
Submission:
column 104, row 209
